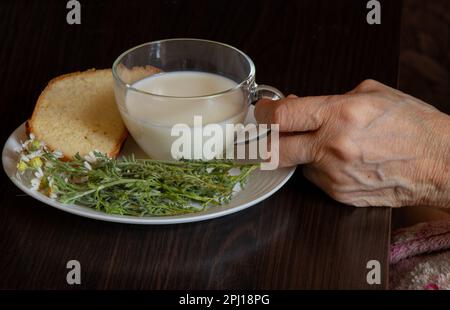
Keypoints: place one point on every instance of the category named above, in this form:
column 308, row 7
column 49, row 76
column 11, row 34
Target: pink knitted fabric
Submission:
column 418, row 257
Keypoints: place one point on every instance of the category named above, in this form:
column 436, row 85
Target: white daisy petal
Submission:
column 58, row 154
column 39, row 173
column 237, row 187
column 35, row 154
column 35, row 184
column 87, row 165
column 91, row 158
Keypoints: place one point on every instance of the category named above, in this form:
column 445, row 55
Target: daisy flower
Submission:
column 36, row 181
column 58, row 154
column 91, row 158
column 36, row 162
column 34, row 154
column 87, row 165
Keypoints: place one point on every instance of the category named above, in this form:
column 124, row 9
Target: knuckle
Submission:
column 348, row 113
column 278, row 113
column 347, row 107
column 368, row 85
column 353, row 111
column 343, row 148
column 316, row 118
column 318, row 148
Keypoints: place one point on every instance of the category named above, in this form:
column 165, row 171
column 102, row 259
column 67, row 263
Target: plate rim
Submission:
column 126, row 219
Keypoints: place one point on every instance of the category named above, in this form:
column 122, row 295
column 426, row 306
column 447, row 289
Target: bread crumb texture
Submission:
column 77, row 113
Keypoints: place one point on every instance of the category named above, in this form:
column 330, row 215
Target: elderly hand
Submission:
column 374, row 146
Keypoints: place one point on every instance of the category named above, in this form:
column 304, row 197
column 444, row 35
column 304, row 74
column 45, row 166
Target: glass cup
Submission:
column 150, row 115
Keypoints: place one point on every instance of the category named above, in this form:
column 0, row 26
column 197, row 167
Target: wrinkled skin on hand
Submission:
column 374, row 146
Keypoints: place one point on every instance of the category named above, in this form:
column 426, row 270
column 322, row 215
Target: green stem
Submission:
column 103, row 186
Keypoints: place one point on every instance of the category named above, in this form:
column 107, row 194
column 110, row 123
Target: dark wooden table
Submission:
column 297, row 239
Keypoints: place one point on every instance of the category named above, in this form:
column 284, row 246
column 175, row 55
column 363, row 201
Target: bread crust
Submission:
column 29, row 124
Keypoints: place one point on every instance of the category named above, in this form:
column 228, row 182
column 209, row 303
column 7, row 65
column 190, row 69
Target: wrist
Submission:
column 435, row 183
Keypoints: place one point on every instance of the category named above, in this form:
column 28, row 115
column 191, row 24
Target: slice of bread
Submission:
column 77, row 113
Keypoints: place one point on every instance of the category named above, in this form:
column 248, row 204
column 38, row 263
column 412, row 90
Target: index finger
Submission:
column 293, row 114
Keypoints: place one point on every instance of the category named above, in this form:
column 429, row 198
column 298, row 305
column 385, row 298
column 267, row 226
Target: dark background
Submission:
column 298, row 238
column 424, row 69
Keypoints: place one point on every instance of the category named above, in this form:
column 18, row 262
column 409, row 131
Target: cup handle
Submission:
column 267, row 92
column 262, row 92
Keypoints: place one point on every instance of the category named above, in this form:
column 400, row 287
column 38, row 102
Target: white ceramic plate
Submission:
column 261, row 185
